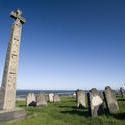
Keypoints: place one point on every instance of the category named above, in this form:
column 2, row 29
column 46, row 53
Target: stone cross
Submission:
column 17, row 15
column 8, row 87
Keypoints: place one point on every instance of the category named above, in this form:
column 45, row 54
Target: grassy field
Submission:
column 66, row 113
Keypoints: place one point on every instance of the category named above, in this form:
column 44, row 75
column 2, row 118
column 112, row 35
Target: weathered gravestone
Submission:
column 31, row 99
column 41, row 99
column 122, row 92
column 110, row 99
column 74, row 94
column 56, row 98
column 51, row 96
column 95, row 102
column 80, row 98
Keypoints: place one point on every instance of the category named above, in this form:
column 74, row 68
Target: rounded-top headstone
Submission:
column 74, row 95
column 51, row 97
column 110, row 99
column 80, row 98
column 95, row 102
column 31, row 99
column 56, row 98
column 122, row 92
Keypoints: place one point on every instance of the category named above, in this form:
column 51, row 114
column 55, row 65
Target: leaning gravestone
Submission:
column 56, row 98
column 41, row 99
column 51, row 96
column 80, row 98
column 31, row 99
column 95, row 102
column 110, row 99
column 122, row 92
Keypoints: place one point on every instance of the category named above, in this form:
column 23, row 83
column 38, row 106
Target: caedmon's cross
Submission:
column 9, row 81
column 17, row 15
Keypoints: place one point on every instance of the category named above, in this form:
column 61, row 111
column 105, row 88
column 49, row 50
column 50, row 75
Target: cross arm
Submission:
column 15, row 16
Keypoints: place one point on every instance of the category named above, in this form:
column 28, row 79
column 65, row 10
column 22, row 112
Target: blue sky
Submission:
column 67, row 44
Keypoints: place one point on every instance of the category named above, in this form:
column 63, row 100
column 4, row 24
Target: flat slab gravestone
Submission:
column 51, row 97
column 80, row 98
column 13, row 115
column 41, row 99
column 122, row 92
column 110, row 99
column 95, row 102
column 56, row 98
column 31, row 99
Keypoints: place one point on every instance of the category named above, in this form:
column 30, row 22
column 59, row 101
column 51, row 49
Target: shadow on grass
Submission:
column 70, row 101
column 105, row 111
column 81, row 113
column 75, row 110
column 120, row 99
column 73, row 107
column 22, row 105
column 31, row 104
column 35, row 109
column 120, row 116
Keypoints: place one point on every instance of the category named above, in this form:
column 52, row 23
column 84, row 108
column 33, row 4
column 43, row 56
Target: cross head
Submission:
column 17, row 15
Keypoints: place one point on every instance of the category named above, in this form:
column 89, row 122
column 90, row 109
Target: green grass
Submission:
column 66, row 113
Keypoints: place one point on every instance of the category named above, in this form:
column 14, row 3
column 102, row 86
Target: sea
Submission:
column 23, row 93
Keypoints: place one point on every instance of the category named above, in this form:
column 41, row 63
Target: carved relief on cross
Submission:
column 17, row 16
